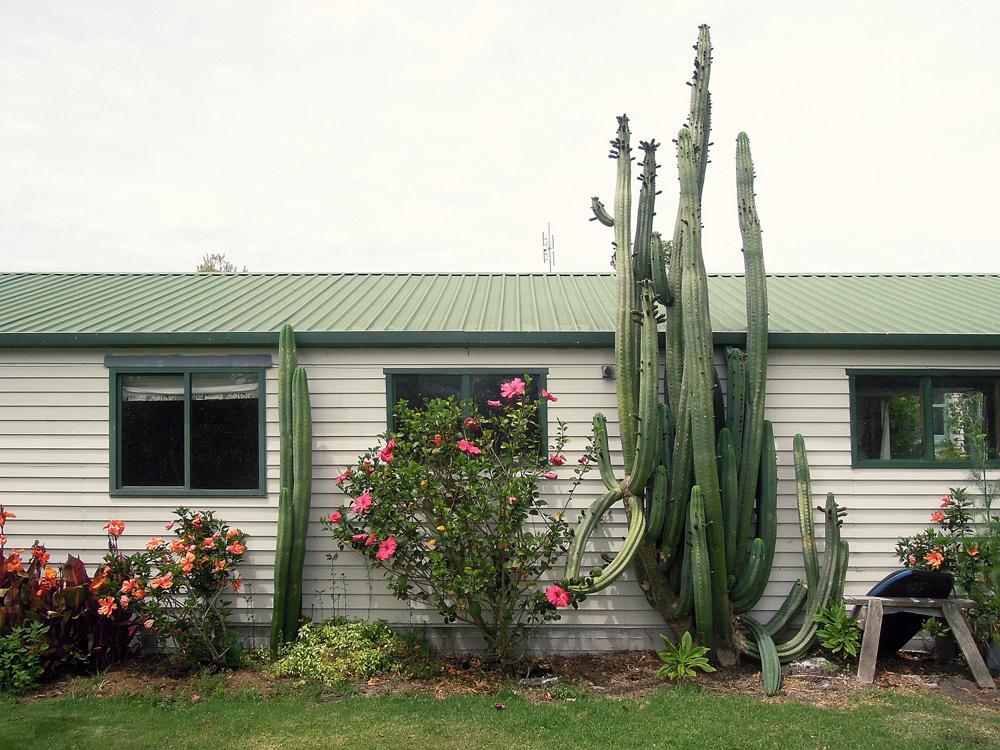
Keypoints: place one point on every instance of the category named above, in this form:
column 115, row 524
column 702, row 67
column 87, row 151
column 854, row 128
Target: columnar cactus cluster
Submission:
column 700, row 472
column 295, row 494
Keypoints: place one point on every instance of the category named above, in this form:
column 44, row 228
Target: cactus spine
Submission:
column 294, row 498
column 700, row 473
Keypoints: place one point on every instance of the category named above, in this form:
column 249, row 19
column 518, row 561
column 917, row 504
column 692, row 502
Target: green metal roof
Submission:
column 570, row 309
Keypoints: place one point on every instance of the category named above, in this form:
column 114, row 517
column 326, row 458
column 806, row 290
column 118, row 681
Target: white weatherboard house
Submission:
column 863, row 366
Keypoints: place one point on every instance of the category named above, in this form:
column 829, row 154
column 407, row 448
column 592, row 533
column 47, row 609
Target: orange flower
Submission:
column 41, row 555
column 14, row 564
column 107, row 606
column 236, row 584
column 934, row 559
column 154, row 543
column 221, row 565
column 128, row 585
column 973, row 550
column 236, row 548
column 937, row 517
column 114, row 528
column 177, row 546
column 4, row 515
column 163, row 582
column 48, row 580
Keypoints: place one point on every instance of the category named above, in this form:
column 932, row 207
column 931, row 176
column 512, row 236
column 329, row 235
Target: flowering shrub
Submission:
column 967, row 548
column 449, row 508
column 61, row 601
column 176, row 589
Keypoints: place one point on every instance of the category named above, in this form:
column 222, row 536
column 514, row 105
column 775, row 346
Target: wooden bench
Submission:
column 869, row 610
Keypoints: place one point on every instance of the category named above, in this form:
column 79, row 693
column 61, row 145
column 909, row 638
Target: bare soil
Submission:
column 623, row 675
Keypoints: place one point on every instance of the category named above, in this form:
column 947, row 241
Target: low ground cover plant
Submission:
column 339, row 650
column 448, row 506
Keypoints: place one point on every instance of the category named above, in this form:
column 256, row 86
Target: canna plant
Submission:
column 295, row 493
column 700, row 470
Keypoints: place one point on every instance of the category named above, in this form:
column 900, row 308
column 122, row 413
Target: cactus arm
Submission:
column 658, row 508
column 644, row 220
column 748, row 589
column 284, row 535
column 600, row 213
column 735, row 396
column 287, row 362
column 700, row 372
column 585, row 529
column 647, row 453
column 301, row 498
column 602, row 578
column 756, row 303
column 770, row 664
column 784, row 615
column 626, row 345
column 700, row 115
column 602, row 452
column 729, row 490
column 803, row 488
column 660, row 259
column 767, row 512
column 704, row 609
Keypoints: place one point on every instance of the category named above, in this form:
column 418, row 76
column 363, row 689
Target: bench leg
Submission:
column 960, row 627
column 869, row 643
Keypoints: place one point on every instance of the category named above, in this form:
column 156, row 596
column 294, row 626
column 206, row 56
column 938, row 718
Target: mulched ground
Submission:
column 623, row 675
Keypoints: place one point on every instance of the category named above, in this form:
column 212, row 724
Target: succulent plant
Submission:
column 700, row 471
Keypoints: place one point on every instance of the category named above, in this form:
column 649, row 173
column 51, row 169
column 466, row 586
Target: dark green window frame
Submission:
column 465, row 377
column 924, row 384
column 116, row 375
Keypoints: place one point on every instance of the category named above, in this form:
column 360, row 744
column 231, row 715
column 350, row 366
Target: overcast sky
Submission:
column 446, row 136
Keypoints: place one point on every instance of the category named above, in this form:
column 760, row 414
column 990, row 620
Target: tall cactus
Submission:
column 700, row 473
column 295, row 486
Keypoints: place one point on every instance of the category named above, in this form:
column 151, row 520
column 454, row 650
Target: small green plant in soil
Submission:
column 684, row 660
column 839, row 632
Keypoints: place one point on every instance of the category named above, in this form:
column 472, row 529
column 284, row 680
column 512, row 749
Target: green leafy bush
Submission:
column 449, row 508
column 840, row 633
column 683, row 660
column 21, row 657
column 338, row 650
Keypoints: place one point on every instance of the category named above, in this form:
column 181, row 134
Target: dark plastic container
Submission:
column 899, row 627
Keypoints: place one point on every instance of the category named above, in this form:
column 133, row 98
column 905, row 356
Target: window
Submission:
column 419, row 386
column 926, row 419
column 185, row 431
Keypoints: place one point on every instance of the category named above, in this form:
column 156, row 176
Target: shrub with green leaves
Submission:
column 21, row 664
column 448, row 506
column 338, row 650
column 840, row 633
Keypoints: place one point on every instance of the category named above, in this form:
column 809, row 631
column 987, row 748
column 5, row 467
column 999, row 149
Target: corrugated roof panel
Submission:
column 932, row 304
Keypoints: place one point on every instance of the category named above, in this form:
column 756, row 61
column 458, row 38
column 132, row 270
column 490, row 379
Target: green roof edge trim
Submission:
column 566, row 339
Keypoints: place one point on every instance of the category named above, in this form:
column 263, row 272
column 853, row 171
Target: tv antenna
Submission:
column 548, row 247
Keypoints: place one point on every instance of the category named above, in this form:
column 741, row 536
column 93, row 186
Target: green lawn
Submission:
column 671, row 718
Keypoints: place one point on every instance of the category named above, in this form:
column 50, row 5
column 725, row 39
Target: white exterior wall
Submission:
column 54, row 472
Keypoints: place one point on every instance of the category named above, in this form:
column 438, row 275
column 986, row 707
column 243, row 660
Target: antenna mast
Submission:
column 548, row 248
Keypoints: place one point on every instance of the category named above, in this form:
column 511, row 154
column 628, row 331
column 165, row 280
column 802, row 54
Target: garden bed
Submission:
column 624, row 675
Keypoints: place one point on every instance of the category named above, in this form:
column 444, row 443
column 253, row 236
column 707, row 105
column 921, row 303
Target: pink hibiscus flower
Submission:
column 550, row 475
column 362, row 503
column 386, row 453
column 335, row 517
column 493, row 403
column 513, row 388
column 342, row 476
column 556, row 460
column 387, row 549
column 470, row 448
column 558, row 596
column 549, row 396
